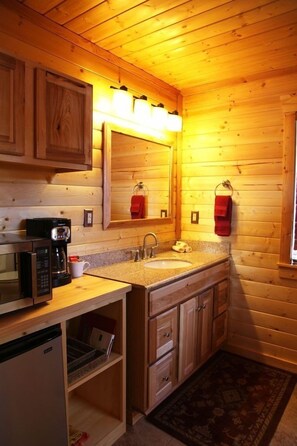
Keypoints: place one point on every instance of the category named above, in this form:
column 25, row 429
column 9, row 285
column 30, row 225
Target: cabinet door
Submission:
column 188, row 348
column 195, row 336
column 219, row 331
column 12, row 103
column 205, row 320
column 221, row 298
column 63, row 119
column 162, row 334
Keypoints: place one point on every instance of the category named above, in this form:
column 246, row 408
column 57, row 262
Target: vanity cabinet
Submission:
column 172, row 330
column 46, row 117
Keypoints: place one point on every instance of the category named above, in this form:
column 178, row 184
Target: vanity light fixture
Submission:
column 143, row 112
column 122, row 101
column 159, row 116
column 174, row 122
column 142, row 109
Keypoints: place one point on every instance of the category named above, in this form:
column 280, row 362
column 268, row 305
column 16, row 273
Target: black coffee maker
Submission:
column 59, row 231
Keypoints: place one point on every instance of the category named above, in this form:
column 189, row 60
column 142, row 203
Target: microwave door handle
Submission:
column 33, row 259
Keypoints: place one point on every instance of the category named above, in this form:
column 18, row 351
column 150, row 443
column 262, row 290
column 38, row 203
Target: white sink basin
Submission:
column 167, row 264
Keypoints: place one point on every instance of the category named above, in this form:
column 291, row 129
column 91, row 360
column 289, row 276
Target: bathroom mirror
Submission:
column 137, row 178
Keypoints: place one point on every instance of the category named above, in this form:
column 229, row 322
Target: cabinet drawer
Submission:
column 162, row 378
column 221, row 298
column 219, row 331
column 162, row 334
column 168, row 296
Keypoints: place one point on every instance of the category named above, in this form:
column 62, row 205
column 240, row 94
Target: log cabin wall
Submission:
column 29, row 192
column 235, row 132
column 232, row 130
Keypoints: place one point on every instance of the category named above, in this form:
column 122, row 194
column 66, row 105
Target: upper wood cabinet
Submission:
column 63, row 119
column 46, row 117
column 12, row 106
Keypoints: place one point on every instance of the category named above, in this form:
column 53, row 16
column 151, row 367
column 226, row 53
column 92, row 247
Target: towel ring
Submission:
column 225, row 184
column 140, row 186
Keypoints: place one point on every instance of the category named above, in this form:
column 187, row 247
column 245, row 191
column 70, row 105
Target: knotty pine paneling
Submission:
column 277, row 308
column 185, row 43
column 231, row 130
column 27, row 192
column 244, row 289
column 235, row 132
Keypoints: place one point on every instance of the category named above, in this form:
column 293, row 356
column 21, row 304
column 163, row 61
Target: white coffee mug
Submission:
column 78, row 268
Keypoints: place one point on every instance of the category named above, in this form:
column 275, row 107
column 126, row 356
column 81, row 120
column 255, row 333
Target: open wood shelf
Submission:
column 97, row 389
column 109, row 362
column 101, row 427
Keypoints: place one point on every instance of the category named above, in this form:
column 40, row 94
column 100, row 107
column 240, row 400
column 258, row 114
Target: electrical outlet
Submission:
column 88, row 217
column 163, row 213
column 195, row 217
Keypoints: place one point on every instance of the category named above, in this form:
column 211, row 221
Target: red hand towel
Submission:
column 137, row 206
column 223, row 215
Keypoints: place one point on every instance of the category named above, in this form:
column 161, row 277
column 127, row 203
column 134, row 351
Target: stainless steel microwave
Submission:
column 25, row 271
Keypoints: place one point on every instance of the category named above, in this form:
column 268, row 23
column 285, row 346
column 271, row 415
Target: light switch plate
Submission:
column 195, row 217
column 88, row 217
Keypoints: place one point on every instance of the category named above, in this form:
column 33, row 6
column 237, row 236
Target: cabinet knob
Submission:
column 167, row 335
column 165, row 378
column 201, row 307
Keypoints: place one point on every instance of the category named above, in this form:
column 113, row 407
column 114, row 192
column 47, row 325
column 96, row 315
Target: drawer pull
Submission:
column 167, row 335
column 165, row 378
column 201, row 307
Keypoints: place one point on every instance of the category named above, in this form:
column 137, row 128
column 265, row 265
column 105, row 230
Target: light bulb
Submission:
column 174, row 122
column 142, row 110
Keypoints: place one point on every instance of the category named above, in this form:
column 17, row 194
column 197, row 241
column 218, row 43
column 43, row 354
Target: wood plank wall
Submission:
column 29, row 192
column 235, row 132
column 230, row 132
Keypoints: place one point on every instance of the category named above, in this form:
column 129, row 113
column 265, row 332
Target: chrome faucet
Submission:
column 152, row 248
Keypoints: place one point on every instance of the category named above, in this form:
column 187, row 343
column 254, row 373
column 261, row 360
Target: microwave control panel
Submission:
column 43, row 270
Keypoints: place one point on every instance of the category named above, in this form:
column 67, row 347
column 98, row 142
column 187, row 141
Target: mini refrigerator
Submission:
column 32, row 391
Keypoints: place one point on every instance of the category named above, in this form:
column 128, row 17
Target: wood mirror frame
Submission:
column 108, row 222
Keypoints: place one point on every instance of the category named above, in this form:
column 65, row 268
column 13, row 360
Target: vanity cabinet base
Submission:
column 172, row 331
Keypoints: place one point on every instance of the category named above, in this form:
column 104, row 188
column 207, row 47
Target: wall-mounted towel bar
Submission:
column 226, row 184
column 140, row 187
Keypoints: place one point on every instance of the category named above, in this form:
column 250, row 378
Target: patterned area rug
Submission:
column 231, row 401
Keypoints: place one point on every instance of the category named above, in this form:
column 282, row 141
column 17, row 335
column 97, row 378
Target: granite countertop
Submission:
column 135, row 273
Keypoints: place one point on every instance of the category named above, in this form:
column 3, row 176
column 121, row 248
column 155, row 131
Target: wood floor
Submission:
column 145, row 434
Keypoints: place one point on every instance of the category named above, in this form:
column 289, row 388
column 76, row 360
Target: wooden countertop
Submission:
column 80, row 296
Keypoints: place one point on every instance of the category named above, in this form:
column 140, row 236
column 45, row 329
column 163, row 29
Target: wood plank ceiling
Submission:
column 186, row 43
